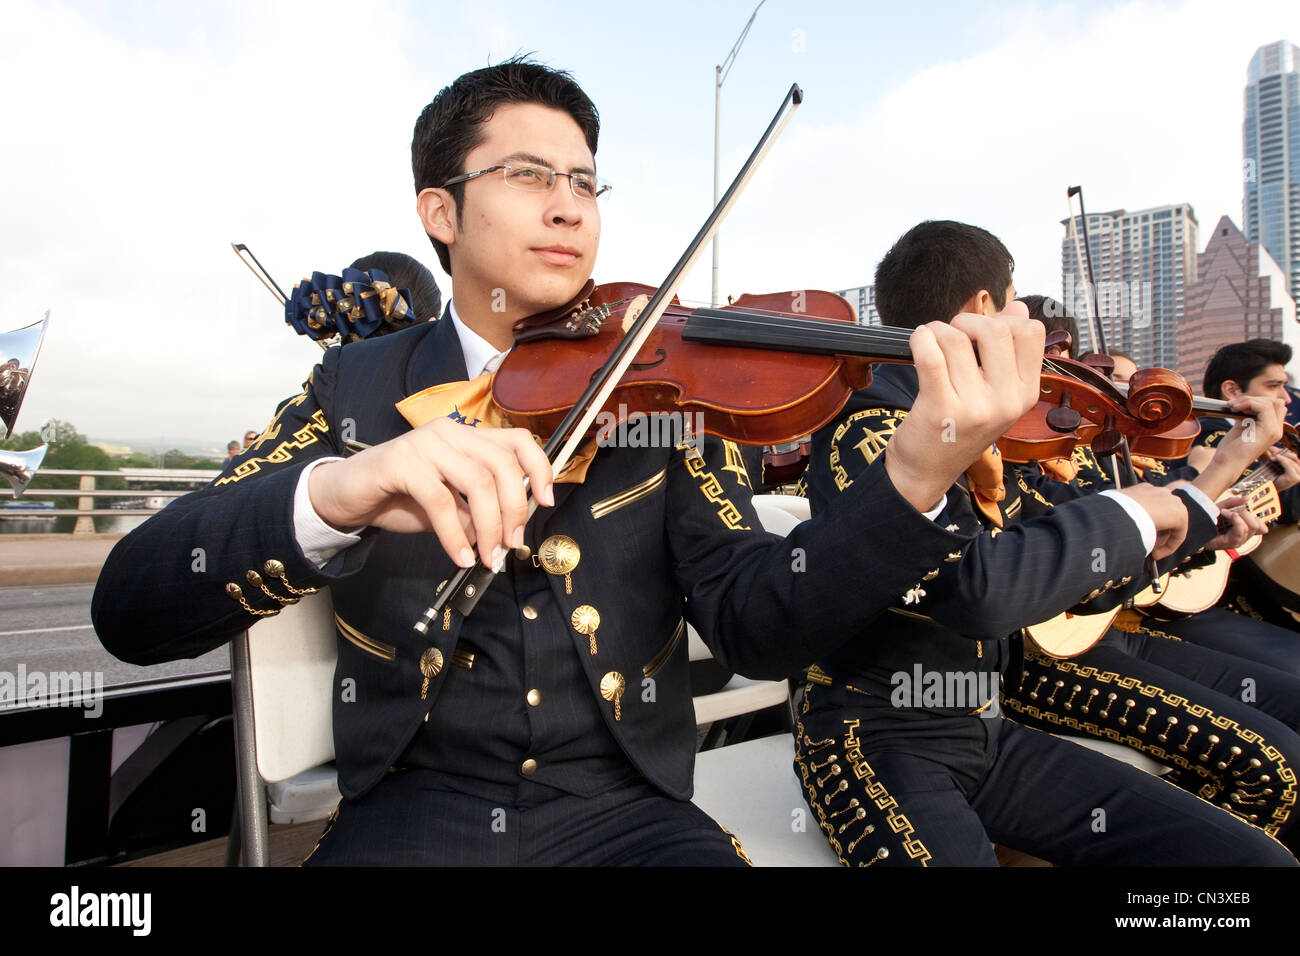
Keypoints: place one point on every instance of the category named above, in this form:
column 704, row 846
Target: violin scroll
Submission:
column 1159, row 398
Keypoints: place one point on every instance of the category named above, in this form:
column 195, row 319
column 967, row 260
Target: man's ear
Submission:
column 437, row 211
column 981, row 303
column 1230, row 389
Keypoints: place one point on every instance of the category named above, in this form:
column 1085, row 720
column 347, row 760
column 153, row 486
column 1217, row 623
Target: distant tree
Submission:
column 68, row 450
column 139, row 459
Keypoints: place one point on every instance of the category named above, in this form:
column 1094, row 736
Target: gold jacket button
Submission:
column 534, row 697
column 431, row 662
column 523, row 552
column 528, row 767
column 559, row 554
column 530, row 612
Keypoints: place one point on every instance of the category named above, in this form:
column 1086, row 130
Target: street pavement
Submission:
column 48, row 629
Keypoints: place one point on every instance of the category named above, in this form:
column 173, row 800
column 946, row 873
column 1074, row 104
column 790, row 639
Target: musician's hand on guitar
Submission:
column 1248, row 440
column 1167, row 511
column 1290, row 465
column 1237, row 525
column 464, row 484
column 963, row 405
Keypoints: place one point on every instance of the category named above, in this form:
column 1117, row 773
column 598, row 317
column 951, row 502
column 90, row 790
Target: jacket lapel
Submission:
column 437, row 359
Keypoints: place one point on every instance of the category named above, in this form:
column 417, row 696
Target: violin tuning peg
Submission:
column 1063, row 419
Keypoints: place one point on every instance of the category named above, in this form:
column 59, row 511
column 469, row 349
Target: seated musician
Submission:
column 904, row 757
column 1255, row 367
column 554, row 724
column 1141, row 683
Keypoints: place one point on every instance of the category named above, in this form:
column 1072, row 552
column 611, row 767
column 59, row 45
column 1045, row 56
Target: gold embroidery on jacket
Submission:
column 368, row 644
column 659, row 660
column 871, row 445
column 711, row 488
column 309, row 434
column 624, row 498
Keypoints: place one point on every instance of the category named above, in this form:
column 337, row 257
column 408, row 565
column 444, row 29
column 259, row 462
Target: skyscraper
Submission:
column 1239, row 294
column 1271, row 145
column 863, row 298
column 1144, row 261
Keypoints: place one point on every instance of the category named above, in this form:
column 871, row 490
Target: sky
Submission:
column 141, row 139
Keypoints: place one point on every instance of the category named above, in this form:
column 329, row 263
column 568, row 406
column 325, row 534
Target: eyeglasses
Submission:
column 534, row 178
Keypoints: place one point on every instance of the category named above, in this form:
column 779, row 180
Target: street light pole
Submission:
column 719, row 76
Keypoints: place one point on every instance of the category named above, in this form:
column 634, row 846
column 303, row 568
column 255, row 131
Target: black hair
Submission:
column 1054, row 316
column 407, row 273
column 452, row 124
column 935, row 268
column 1241, row 362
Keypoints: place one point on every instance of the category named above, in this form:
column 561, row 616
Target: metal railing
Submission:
column 183, row 480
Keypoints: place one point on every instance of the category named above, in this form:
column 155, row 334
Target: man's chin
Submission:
column 557, row 291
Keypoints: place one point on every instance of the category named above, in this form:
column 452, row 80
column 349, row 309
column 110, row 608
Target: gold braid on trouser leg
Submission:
column 841, row 787
column 329, row 825
column 1213, row 756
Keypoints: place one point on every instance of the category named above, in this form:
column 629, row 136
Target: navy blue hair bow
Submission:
column 354, row 306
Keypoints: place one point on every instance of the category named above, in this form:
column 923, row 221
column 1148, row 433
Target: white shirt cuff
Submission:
column 1146, row 527
column 318, row 541
column 1202, row 499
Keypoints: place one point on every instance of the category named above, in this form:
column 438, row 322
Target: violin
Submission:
column 1156, row 412
column 760, row 373
column 754, row 372
column 1079, row 405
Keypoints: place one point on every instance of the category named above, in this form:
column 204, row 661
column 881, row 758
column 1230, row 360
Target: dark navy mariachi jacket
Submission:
column 663, row 534
column 955, row 616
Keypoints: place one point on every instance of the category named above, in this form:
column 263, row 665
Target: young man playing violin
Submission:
column 553, row 724
column 904, row 757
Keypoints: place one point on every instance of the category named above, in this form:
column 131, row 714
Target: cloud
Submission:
column 139, row 147
column 136, row 164
column 1142, row 104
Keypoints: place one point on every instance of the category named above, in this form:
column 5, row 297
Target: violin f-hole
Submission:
column 660, row 357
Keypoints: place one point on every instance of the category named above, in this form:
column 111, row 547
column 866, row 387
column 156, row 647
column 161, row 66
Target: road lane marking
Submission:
column 47, row 630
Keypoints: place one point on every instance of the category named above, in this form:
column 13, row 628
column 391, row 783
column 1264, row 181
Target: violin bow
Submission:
column 1094, row 319
column 1120, row 456
column 463, row 590
column 259, row 271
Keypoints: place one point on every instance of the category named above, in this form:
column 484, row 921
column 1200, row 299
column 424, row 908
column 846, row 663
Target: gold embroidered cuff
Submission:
column 276, row 570
column 255, row 579
column 235, row 592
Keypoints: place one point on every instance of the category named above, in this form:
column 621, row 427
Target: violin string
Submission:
column 844, row 330
column 744, row 317
column 740, row 312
